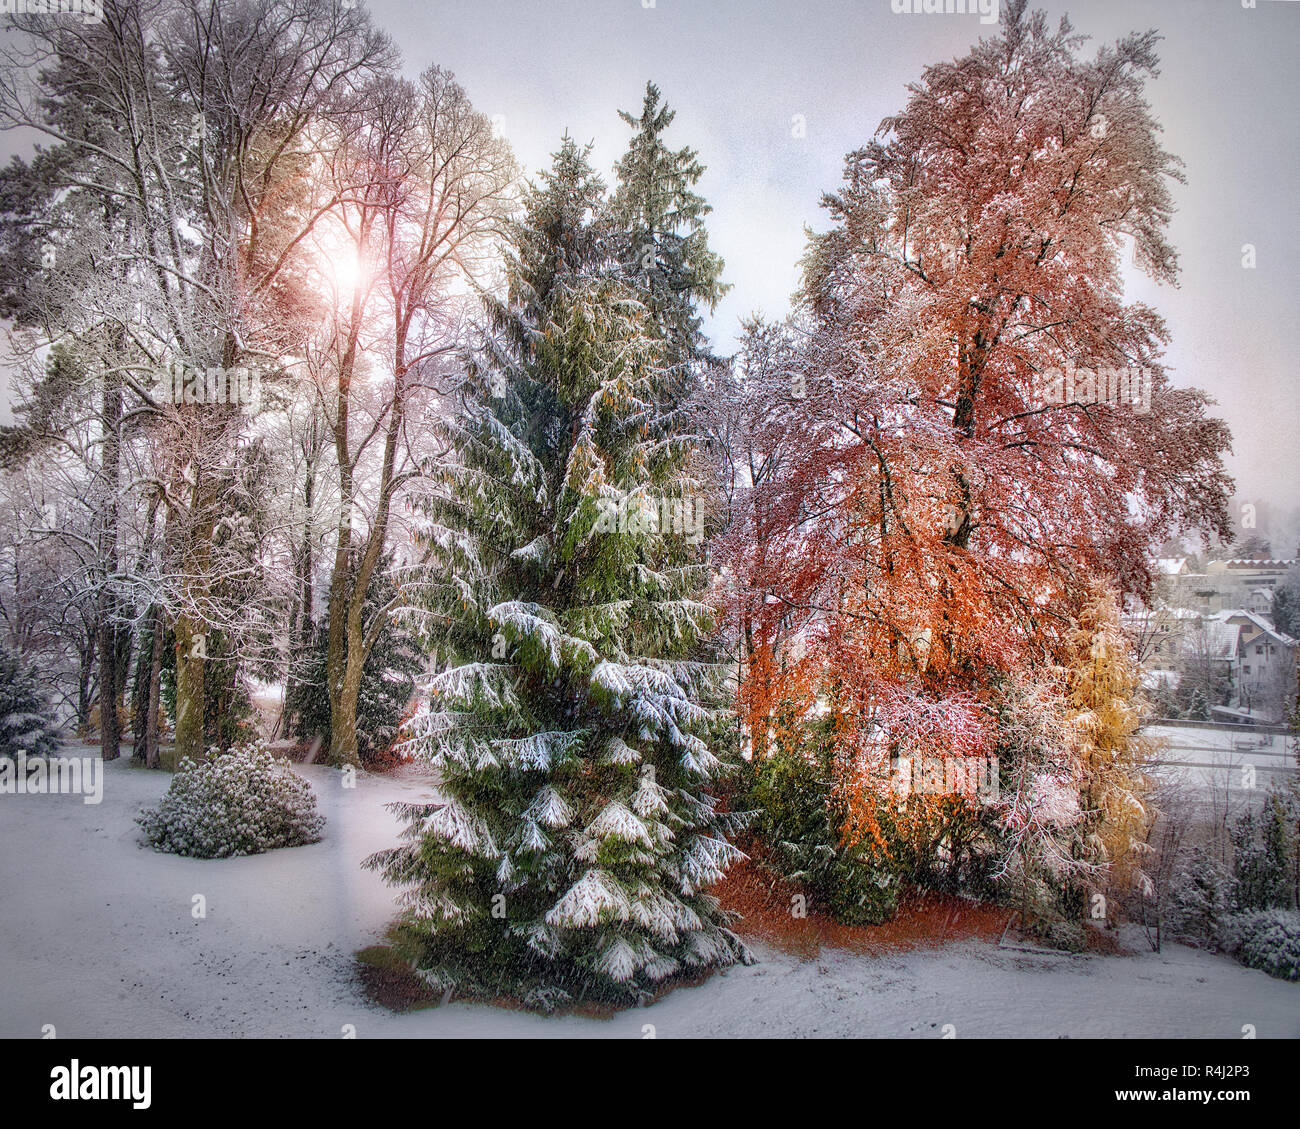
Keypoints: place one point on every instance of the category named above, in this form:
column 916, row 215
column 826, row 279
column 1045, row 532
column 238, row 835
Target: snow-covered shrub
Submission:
column 797, row 824
column 240, row 802
column 1068, row 936
column 1202, row 897
column 26, row 716
column 1267, row 939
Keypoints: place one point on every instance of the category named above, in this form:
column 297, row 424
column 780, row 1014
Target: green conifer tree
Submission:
column 387, row 678
column 658, row 230
column 1260, row 856
column 572, row 848
column 27, row 722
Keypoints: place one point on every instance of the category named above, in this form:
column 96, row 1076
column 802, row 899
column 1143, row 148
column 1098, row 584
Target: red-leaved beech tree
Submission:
column 960, row 482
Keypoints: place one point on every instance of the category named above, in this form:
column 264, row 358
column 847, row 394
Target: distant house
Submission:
column 1160, row 634
column 1243, row 584
column 1216, row 628
column 1251, row 569
column 1221, row 642
column 1263, row 661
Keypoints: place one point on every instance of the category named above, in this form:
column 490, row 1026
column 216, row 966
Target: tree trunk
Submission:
column 191, row 629
column 110, row 655
column 343, row 718
column 110, row 735
column 151, row 756
column 343, row 721
column 84, row 676
column 302, row 626
column 144, row 696
column 140, row 687
column 190, row 650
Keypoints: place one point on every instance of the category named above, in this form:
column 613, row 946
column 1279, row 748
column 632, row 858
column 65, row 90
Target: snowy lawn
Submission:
column 100, row 940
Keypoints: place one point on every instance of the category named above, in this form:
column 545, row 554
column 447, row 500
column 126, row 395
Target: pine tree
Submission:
column 1286, row 603
column 1261, row 858
column 575, row 841
column 659, row 235
column 26, row 717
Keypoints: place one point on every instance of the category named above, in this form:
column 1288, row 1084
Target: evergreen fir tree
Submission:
column 26, row 716
column 658, row 230
column 1203, row 896
column 387, row 678
column 575, row 840
column 1260, row 857
column 1286, row 604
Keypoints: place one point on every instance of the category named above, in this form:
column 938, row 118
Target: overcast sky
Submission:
column 738, row 71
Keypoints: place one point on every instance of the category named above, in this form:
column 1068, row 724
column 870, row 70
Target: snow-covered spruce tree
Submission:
column 26, row 716
column 1260, row 858
column 571, row 852
column 657, row 230
column 1203, row 896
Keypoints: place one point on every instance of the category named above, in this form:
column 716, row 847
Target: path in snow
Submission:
column 99, row 940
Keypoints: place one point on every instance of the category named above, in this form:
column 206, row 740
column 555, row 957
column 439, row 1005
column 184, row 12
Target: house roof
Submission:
column 1260, row 622
column 1142, row 616
column 1238, row 713
column 1221, row 639
column 1251, row 564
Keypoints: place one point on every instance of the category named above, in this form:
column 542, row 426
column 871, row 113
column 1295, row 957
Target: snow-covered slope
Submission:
column 99, row 939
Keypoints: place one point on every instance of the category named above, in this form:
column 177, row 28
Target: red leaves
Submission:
column 938, row 518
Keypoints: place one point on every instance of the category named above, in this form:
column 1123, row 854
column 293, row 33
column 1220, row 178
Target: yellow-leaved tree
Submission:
column 1107, row 712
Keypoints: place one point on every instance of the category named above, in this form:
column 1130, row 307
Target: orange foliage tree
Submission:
column 951, row 504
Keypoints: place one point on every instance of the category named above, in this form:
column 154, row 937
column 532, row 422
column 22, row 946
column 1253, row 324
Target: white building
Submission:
column 1263, row 663
column 1241, row 584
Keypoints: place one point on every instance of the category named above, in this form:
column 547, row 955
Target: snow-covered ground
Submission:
column 1218, row 759
column 99, row 939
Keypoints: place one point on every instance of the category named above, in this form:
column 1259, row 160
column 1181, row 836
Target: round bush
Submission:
column 241, row 802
